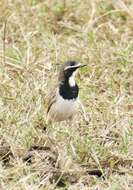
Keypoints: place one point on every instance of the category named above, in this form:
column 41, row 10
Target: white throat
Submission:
column 72, row 80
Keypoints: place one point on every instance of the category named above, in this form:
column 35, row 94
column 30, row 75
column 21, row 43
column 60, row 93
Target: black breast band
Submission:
column 68, row 92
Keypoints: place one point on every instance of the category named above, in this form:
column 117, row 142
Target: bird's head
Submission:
column 68, row 70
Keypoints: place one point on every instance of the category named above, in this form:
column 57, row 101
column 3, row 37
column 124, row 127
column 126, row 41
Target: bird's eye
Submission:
column 72, row 63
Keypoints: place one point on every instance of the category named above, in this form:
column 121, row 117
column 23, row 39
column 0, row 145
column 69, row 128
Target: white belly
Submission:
column 63, row 109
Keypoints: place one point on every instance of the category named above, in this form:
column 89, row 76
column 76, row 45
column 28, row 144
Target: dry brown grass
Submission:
column 37, row 36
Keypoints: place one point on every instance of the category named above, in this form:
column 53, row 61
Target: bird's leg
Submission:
column 83, row 112
column 70, row 139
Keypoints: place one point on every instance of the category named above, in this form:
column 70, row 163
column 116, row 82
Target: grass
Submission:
column 36, row 38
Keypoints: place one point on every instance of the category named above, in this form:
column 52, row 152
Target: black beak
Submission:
column 81, row 65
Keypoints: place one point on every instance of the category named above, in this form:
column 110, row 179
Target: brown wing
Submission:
column 51, row 98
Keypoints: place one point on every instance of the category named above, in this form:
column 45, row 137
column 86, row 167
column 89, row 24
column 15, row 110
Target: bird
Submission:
column 63, row 99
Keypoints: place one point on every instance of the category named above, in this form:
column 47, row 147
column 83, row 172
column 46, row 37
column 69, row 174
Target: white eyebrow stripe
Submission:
column 72, row 66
